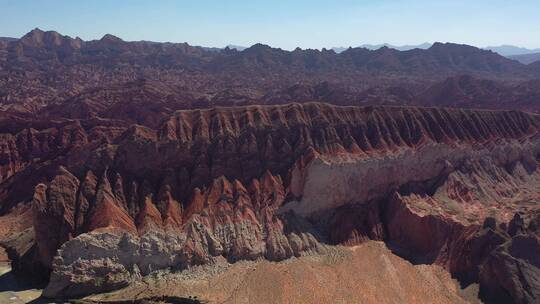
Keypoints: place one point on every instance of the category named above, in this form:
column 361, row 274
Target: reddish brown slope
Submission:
column 47, row 68
column 278, row 181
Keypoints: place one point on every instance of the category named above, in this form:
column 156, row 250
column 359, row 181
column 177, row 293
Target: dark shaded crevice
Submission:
column 23, row 275
column 428, row 187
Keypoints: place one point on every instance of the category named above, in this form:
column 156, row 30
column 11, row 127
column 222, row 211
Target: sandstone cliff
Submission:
column 438, row 185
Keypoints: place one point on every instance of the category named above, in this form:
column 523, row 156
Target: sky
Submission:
column 282, row 23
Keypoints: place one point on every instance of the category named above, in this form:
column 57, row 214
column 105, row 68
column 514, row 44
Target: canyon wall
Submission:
column 280, row 181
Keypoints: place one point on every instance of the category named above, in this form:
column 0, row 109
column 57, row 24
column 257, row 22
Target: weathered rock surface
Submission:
column 511, row 272
column 275, row 182
column 54, row 212
column 92, row 149
column 48, row 74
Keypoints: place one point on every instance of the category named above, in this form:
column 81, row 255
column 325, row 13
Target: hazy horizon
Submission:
column 305, row 24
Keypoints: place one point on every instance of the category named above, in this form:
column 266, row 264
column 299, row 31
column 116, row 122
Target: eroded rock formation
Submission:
column 438, row 185
column 47, row 74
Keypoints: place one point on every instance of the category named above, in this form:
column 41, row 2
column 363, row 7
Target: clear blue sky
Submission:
column 282, row 23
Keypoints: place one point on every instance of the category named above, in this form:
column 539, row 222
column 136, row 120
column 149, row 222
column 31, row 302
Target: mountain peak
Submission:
column 111, row 38
column 451, row 45
column 437, row 44
column 259, row 46
column 35, row 34
column 38, row 38
column 35, row 31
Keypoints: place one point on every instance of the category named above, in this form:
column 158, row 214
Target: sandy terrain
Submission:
column 368, row 273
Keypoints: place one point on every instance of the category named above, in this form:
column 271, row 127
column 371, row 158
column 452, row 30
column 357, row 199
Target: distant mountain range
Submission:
column 110, row 76
column 366, row 46
column 129, row 157
column 504, row 50
column 521, row 54
column 526, row 58
column 511, row 50
column 422, row 46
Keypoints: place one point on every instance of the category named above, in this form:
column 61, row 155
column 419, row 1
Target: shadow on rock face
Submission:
column 9, row 281
column 14, row 289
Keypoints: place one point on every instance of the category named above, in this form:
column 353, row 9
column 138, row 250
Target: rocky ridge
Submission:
column 47, row 74
column 280, row 181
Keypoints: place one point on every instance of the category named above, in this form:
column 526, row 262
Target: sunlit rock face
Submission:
column 275, row 182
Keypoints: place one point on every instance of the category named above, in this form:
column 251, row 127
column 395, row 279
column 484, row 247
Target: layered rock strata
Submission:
column 280, row 181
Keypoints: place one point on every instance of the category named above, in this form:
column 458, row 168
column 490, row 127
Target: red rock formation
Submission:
column 54, row 209
column 278, row 181
column 91, row 137
column 107, row 212
column 143, row 82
